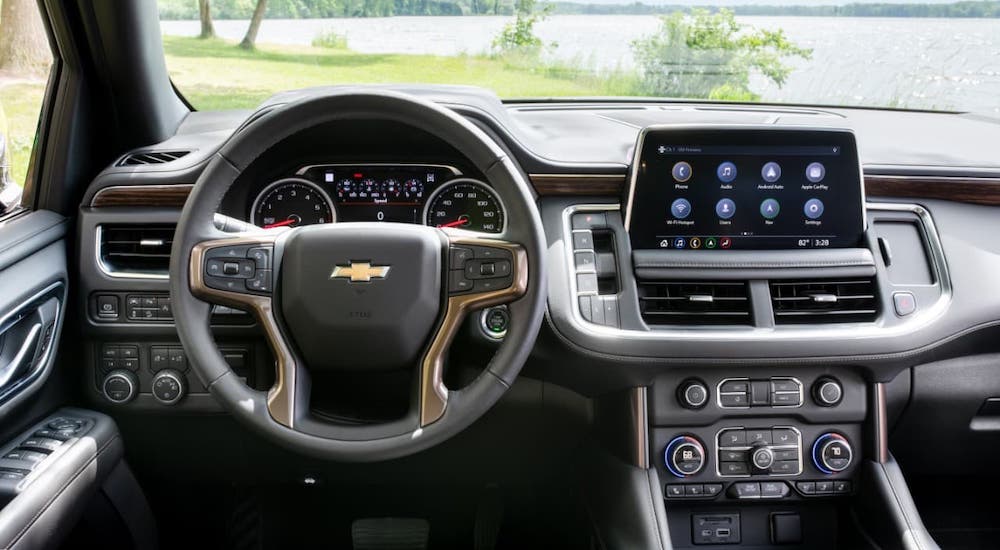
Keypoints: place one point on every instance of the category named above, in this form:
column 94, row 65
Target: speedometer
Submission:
column 465, row 204
column 292, row 202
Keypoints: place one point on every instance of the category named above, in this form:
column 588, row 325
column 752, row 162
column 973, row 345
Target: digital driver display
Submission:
column 738, row 188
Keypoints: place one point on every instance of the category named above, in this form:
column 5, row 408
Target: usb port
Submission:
column 722, row 532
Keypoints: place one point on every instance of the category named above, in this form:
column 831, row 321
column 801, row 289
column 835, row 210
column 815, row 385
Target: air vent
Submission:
column 694, row 303
column 150, row 157
column 136, row 249
column 829, row 301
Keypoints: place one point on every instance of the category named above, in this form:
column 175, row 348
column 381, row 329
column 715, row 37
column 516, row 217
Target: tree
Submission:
column 519, row 35
column 258, row 16
column 24, row 46
column 710, row 55
column 205, row 14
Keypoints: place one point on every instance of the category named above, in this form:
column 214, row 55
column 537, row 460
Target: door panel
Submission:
column 33, row 280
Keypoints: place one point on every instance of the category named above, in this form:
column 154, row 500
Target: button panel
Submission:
column 242, row 269
column 774, row 451
column 692, row 490
column 479, row 269
column 591, row 267
column 743, row 393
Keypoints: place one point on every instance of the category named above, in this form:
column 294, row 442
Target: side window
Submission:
column 25, row 61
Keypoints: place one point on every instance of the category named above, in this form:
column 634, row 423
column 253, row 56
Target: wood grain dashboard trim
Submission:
column 984, row 191
column 165, row 196
column 971, row 190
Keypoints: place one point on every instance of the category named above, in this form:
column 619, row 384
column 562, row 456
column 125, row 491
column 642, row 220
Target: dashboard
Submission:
column 436, row 195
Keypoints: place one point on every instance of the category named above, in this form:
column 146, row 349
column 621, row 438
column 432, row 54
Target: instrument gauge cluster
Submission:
column 431, row 194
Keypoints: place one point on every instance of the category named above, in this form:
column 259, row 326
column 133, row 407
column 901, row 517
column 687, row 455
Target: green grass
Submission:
column 21, row 103
column 215, row 74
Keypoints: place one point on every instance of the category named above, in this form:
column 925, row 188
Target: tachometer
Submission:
column 466, row 204
column 292, row 202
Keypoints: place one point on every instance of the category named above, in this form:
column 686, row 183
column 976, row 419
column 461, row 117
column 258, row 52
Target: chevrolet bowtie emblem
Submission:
column 360, row 272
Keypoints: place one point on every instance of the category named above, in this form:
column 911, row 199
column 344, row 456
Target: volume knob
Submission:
column 827, row 392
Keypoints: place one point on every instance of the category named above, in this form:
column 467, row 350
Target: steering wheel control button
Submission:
column 827, row 392
column 261, row 257
column 832, row 453
column 120, row 386
column 239, row 269
column 693, row 394
column 168, row 386
column 261, row 281
column 681, row 172
column 904, row 303
column 684, row 456
column 771, row 172
column 494, row 322
column 458, row 256
column 458, row 283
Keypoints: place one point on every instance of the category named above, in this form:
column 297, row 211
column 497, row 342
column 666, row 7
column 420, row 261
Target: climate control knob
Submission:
column 168, row 386
column 684, row 456
column 762, row 458
column 827, row 392
column 692, row 394
column 120, row 386
column 832, row 453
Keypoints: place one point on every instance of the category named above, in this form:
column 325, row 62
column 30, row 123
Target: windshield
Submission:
column 234, row 53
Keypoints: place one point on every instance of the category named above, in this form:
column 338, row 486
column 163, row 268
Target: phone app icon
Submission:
column 681, row 171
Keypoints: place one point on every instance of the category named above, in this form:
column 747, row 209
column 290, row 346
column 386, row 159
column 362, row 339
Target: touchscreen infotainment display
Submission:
column 741, row 188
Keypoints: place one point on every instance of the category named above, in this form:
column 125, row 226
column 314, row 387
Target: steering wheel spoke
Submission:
column 482, row 272
column 239, row 271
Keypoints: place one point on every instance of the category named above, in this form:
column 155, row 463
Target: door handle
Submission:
column 19, row 363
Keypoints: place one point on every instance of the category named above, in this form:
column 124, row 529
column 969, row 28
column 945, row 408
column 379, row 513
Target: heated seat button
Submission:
column 675, row 490
column 733, row 438
column 745, row 489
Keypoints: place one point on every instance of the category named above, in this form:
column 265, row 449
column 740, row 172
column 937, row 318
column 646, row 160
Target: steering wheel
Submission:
column 358, row 296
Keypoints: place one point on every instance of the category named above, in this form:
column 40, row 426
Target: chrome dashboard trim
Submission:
column 782, row 333
column 117, row 274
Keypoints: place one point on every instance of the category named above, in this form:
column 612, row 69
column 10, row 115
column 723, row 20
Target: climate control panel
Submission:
column 771, row 451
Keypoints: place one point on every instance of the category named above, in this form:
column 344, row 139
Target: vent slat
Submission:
column 694, row 303
column 824, row 301
column 151, row 157
column 142, row 249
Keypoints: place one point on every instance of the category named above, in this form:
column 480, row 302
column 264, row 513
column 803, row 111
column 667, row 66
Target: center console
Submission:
column 757, row 456
column 745, row 268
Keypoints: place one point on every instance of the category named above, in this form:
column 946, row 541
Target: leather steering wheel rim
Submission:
column 523, row 233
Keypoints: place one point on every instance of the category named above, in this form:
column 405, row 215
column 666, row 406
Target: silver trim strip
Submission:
column 924, row 317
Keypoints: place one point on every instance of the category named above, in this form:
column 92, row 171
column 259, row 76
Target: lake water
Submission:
column 917, row 63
